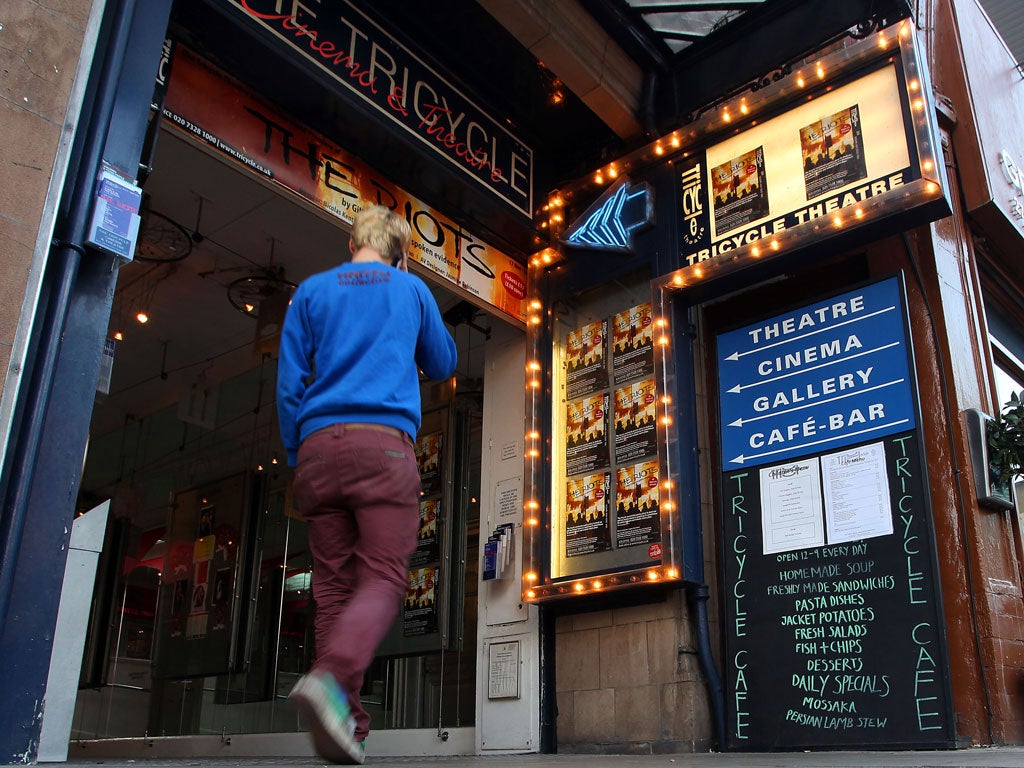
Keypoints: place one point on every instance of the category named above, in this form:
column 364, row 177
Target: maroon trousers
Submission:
column 358, row 488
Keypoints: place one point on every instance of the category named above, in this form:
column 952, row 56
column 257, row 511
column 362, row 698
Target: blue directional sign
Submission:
column 610, row 223
column 826, row 375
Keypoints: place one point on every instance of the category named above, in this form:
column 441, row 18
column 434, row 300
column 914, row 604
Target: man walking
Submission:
column 348, row 401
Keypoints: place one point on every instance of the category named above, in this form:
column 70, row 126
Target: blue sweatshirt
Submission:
column 350, row 346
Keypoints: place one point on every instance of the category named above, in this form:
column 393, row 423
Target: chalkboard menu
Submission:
column 834, row 629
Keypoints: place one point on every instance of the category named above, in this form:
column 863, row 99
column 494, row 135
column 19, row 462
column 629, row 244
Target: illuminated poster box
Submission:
column 844, row 143
column 601, row 504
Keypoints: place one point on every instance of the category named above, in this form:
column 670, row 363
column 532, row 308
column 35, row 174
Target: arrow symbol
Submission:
column 741, row 421
column 612, row 221
column 740, row 387
column 742, row 458
column 737, row 355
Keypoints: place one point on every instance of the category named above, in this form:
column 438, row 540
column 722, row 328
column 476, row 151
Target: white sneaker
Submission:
column 324, row 707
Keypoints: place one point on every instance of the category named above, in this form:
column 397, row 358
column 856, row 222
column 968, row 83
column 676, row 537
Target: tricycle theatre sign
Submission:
column 391, row 80
column 834, row 632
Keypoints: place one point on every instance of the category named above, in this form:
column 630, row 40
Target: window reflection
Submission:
column 272, row 643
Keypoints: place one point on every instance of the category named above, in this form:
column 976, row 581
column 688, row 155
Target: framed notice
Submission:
column 503, row 670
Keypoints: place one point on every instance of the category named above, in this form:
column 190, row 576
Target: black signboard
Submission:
column 836, row 646
column 833, row 615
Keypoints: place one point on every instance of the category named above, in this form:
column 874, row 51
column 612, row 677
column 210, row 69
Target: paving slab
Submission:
column 982, row 757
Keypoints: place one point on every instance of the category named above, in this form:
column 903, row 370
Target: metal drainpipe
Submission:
column 67, row 251
column 697, row 594
column 697, row 591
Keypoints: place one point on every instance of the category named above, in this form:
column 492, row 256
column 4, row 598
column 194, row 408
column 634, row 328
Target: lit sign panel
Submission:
column 612, row 520
column 820, row 162
column 849, row 141
column 366, row 61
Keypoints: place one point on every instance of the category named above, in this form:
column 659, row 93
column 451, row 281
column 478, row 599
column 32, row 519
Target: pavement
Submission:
column 980, row 757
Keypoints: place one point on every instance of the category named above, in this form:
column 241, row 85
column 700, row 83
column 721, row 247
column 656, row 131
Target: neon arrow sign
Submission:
column 614, row 218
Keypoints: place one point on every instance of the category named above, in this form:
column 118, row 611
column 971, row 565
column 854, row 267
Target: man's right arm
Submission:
column 436, row 354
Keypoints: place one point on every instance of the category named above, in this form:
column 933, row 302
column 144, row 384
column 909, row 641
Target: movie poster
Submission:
column 207, row 516
column 586, row 360
column 428, row 459
column 587, row 527
column 636, row 433
column 179, row 600
column 427, row 542
column 419, row 610
column 198, row 615
column 586, row 429
column 633, row 343
column 833, row 152
column 637, row 512
column 740, row 191
column 220, row 602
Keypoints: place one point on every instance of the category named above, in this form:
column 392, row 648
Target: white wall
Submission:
column 506, row 625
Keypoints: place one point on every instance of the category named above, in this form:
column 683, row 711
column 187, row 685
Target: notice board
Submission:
column 834, row 629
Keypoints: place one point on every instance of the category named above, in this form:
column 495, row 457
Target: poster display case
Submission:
column 601, row 495
column 429, row 614
column 200, row 595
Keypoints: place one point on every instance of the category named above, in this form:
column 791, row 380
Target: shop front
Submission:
column 710, row 472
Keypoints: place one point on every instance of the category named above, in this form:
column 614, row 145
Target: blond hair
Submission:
column 382, row 230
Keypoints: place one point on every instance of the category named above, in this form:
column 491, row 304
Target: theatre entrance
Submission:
column 202, row 615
